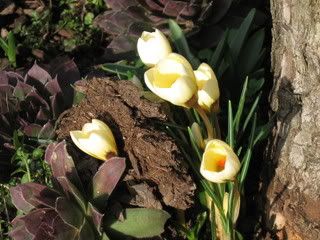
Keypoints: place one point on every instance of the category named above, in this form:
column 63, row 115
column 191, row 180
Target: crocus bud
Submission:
column 95, row 139
column 236, row 205
column 196, row 131
column 219, row 163
column 152, row 47
column 208, row 89
column 172, row 79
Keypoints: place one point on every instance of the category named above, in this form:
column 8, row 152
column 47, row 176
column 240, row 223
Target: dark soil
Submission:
column 157, row 175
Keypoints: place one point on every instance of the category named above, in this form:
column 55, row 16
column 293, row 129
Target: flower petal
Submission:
column 152, row 47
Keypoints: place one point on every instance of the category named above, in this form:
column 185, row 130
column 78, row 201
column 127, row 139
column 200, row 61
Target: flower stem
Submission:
column 207, row 123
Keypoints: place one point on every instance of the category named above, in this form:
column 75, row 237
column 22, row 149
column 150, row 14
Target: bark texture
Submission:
column 294, row 191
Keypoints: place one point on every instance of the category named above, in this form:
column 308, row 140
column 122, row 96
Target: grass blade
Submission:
column 4, row 46
column 218, row 53
column 194, row 144
column 230, row 139
column 246, row 160
column 120, row 69
column 11, row 49
column 180, row 41
column 250, row 114
column 238, row 38
column 237, row 118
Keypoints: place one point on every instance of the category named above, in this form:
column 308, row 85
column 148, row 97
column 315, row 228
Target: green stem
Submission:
column 25, row 161
column 213, row 225
column 216, row 126
column 207, row 123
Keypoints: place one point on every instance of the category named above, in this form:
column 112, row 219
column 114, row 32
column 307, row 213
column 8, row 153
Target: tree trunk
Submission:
column 293, row 195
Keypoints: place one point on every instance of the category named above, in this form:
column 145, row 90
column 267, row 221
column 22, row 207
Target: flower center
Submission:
column 215, row 161
column 164, row 80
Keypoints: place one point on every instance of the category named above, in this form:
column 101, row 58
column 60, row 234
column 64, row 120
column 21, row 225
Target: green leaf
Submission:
column 254, row 86
column 180, row 41
column 194, row 143
column 88, row 18
column 251, row 53
column 4, row 46
column 218, row 52
column 205, row 54
column 11, row 53
column 78, row 97
column 138, row 223
column 199, row 223
column 120, row 69
column 25, row 178
column 251, row 112
column 69, row 213
column 72, row 192
column 193, row 233
column 263, row 131
column 230, row 139
column 247, row 157
column 239, row 236
column 237, row 118
column 238, row 37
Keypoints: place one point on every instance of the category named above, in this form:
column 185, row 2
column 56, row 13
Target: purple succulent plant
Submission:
column 33, row 102
column 65, row 211
column 70, row 210
column 126, row 19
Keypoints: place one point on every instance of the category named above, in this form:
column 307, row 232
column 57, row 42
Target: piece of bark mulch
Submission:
column 153, row 155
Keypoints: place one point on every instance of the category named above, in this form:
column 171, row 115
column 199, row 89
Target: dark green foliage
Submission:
column 54, row 26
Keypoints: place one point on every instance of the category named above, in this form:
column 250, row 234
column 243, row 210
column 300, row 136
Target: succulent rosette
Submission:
column 74, row 210
column 64, row 212
column 125, row 20
column 33, row 102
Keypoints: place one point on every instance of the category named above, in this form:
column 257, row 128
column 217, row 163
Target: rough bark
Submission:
column 293, row 194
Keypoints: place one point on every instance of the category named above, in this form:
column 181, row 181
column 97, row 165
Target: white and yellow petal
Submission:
column 208, row 88
column 172, row 79
column 95, row 139
column 219, row 163
column 152, row 47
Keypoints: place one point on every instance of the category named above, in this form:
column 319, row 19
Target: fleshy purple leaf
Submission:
column 95, row 215
column 19, row 231
column 62, row 164
column 53, row 86
column 63, row 230
column 43, row 114
column 86, row 231
column 32, row 130
column 37, row 74
column 69, row 213
column 28, row 196
column 72, row 192
column 120, row 4
column 36, row 224
column 67, row 74
column 47, row 131
column 49, row 151
column 21, row 90
column 35, row 97
column 57, row 105
column 106, row 179
column 7, row 102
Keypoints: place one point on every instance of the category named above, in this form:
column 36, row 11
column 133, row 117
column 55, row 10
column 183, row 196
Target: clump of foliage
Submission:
column 53, row 26
column 33, row 102
column 9, row 47
column 72, row 210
